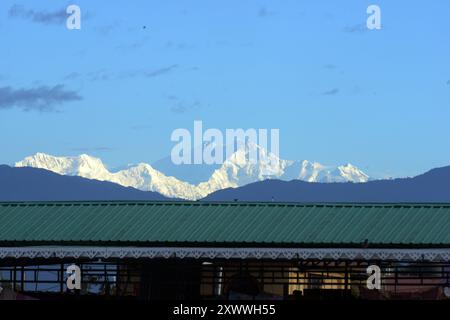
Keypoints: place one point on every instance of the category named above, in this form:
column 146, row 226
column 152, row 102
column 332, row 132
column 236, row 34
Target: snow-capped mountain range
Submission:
column 236, row 171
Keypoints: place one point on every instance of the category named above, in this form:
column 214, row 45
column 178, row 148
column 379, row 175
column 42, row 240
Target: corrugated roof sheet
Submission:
column 266, row 224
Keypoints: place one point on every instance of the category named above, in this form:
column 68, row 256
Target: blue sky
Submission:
column 137, row 70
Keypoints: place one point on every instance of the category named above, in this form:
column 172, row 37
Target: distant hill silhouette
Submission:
column 433, row 186
column 31, row 184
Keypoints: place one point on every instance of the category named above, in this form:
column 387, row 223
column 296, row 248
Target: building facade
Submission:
column 226, row 251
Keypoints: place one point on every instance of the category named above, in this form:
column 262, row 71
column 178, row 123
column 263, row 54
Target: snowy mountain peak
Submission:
column 83, row 165
column 236, row 171
column 352, row 173
column 141, row 176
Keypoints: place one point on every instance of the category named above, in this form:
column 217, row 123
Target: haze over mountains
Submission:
column 236, row 171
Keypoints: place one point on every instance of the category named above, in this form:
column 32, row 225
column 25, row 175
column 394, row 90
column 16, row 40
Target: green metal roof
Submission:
column 223, row 224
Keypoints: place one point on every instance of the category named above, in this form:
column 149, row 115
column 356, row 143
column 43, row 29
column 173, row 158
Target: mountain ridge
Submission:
column 236, row 171
column 432, row 186
column 34, row 184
